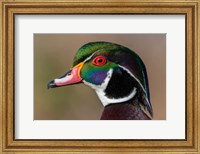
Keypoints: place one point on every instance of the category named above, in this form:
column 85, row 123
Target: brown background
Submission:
column 53, row 56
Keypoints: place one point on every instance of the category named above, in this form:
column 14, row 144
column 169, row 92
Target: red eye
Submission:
column 99, row 60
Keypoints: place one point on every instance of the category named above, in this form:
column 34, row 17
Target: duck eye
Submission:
column 99, row 60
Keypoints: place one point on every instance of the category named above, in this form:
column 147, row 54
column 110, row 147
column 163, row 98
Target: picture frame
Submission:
column 42, row 7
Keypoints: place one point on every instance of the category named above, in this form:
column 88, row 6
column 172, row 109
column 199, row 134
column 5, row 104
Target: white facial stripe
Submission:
column 133, row 77
column 100, row 90
column 88, row 58
column 106, row 101
column 138, row 82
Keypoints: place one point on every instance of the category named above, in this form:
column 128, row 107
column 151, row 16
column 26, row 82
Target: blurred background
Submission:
column 53, row 56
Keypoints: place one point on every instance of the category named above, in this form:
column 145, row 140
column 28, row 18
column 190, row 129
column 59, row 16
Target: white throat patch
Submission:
column 100, row 90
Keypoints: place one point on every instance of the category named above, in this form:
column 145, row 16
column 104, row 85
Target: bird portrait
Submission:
column 118, row 76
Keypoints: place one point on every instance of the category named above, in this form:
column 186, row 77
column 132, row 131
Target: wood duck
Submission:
column 118, row 76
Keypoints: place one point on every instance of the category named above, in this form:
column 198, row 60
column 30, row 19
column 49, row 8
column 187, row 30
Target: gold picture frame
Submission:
column 10, row 8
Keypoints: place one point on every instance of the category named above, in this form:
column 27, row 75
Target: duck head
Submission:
column 116, row 73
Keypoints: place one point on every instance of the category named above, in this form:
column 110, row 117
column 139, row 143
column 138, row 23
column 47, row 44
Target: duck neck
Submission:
column 123, row 111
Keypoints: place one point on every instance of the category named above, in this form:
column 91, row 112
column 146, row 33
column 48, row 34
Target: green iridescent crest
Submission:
column 87, row 49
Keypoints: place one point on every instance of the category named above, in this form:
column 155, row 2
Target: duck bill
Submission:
column 71, row 77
